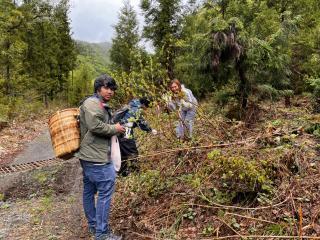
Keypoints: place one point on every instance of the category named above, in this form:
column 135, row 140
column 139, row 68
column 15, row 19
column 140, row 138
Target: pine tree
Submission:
column 241, row 49
column 66, row 54
column 51, row 53
column 162, row 18
column 125, row 43
column 12, row 47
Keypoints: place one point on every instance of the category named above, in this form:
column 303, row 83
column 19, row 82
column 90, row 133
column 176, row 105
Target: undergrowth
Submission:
column 187, row 192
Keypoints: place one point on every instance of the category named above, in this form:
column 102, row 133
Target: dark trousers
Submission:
column 128, row 149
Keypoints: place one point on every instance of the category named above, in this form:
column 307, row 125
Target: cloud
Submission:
column 93, row 20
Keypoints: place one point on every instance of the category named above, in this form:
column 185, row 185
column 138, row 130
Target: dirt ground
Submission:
column 14, row 138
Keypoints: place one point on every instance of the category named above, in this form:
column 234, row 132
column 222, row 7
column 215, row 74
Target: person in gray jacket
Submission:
column 99, row 174
column 182, row 101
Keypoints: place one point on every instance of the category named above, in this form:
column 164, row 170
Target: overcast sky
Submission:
column 92, row 20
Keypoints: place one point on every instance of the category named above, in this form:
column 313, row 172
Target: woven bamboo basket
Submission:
column 65, row 132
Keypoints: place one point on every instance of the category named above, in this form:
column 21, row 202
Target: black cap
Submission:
column 104, row 81
column 145, row 101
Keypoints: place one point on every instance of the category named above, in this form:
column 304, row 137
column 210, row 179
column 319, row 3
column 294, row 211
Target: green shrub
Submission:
column 192, row 180
column 314, row 129
column 25, row 110
column 152, row 183
column 240, row 174
column 275, row 229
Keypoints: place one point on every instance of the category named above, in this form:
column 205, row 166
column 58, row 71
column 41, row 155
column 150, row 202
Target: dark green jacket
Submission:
column 95, row 131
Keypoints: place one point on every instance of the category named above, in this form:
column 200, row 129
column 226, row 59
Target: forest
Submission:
column 251, row 169
column 236, row 51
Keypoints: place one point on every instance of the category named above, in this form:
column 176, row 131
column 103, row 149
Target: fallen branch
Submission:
column 300, row 221
column 188, row 148
column 248, row 217
column 217, row 205
column 259, row 237
column 221, row 220
column 143, row 235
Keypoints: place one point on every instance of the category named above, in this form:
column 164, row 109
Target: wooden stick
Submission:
column 236, row 207
column 259, row 237
column 188, row 148
column 143, row 235
column 300, row 222
column 294, row 210
column 248, row 217
column 237, row 237
column 221, row 220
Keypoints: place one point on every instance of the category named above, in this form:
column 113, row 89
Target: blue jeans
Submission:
column 98, row 179
column 185, row 125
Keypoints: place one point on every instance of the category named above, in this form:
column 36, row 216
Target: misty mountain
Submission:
column 97, row 51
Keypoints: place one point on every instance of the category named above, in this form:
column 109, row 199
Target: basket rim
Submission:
column 59, row 111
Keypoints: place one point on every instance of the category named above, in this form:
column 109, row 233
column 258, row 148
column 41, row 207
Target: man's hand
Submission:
column 120, row 128
column 154, row 132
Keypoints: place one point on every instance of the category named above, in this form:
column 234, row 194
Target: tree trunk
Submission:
column 169, row 65
column 170, row 72
column 243, row 85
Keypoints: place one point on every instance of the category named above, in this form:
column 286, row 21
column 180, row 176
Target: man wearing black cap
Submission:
column 131, row 119
column 99, row 174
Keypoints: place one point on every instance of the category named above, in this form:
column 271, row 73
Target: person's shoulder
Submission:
column 186, row 90
column 91, row 99
column 91, row 102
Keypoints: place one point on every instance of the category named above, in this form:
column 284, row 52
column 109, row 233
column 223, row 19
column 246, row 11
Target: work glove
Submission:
column 154, row 132
column 185, row 106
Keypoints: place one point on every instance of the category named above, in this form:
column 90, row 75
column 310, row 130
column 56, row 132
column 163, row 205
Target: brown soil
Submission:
column 14, row 138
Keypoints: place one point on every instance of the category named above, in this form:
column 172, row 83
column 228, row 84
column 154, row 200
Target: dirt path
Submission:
column 38, row 149
column 42, row 203
column 17, row 140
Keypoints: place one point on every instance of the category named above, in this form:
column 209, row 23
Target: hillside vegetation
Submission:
column 232, row 181
column 98, row 53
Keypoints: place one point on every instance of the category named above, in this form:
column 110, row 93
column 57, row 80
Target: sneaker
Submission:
column 92, row 230
column 109, row 236
column 113, row 236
